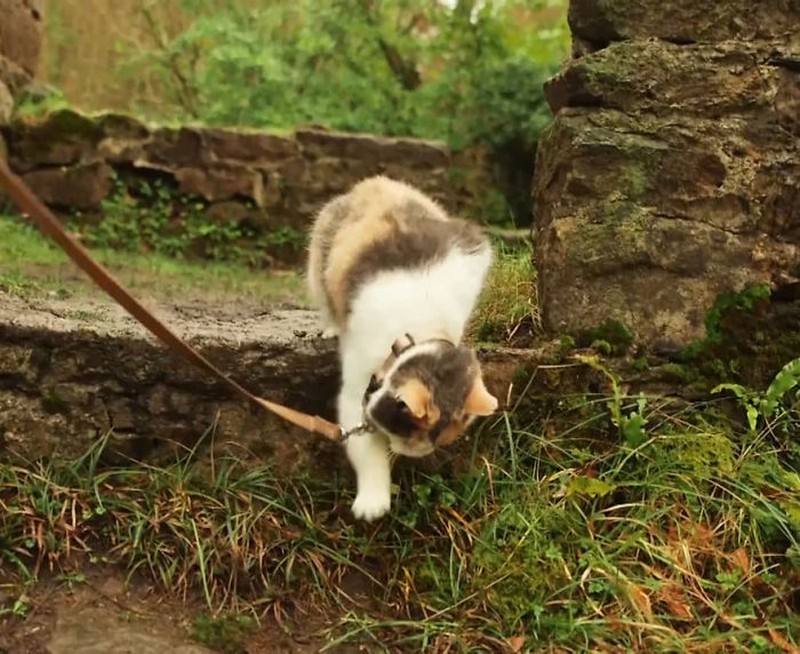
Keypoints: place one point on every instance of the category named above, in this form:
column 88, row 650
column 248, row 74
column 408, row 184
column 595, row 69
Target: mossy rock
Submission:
column 59, row 138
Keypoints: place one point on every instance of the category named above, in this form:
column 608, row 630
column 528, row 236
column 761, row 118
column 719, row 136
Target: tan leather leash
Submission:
column 44, row 219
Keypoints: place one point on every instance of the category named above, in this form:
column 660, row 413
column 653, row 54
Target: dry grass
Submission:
column 687, row 542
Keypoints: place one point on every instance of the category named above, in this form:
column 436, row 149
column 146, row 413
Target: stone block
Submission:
column 660, row 77
column 21, row 33
column 372, row 149
column 222, row 182
column 60, row 138
column 646, row 220
column 685, row 21
column 250, row 147
column 83, row 186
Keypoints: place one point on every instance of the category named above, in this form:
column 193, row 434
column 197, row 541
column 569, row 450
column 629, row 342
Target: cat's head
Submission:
column 426, row 395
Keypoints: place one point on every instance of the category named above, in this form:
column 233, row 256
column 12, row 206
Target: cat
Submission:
column 396, row 279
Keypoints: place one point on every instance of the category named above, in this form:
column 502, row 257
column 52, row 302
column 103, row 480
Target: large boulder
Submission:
column 670, row 174
column 20, row 47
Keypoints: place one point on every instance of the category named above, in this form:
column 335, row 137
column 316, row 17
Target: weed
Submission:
column 19, row 607
column 223, row 633
column 683, row 537
column 31, row 266
column 769, row 406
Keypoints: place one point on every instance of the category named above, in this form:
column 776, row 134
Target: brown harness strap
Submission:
column 28, row 203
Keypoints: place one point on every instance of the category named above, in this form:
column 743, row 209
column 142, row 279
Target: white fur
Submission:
column 434, row 302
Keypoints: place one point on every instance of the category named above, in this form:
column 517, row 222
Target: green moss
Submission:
column 725, row 303
column 565, row 345
column 679, row 372
column 603, row 347
column 616, row 231
column 64, row 125
column 52, row 402
column 612, row 332
column 635, row 179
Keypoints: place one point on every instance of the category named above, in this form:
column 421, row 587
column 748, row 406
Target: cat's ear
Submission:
column 480, row 402
column 417, row 397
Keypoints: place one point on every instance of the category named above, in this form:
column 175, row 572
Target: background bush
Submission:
column 465, row 71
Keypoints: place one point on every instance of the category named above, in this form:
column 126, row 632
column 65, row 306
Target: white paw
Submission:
column 330, row 332
column 370, row 506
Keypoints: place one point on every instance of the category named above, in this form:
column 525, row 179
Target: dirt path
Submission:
column 96, row 611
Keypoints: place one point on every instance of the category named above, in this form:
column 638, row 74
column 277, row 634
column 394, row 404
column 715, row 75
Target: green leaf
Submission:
column 786, row 379
column 588, row 487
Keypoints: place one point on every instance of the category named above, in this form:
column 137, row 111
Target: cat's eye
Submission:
column 401, row 405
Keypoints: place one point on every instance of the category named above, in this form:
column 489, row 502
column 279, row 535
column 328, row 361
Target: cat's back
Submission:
column 381, row 225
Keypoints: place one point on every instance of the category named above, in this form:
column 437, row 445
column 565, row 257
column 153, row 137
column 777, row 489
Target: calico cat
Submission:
column 396, row 279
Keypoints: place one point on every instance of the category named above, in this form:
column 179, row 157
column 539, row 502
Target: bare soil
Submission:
column 98, row 609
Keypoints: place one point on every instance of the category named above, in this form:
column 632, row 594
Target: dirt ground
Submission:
column 96, row 610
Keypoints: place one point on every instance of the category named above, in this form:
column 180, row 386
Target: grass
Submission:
column 30, row 265
column 507, row 309
column 567, row 541
column 612, row 524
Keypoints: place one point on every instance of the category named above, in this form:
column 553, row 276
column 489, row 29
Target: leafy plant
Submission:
column 764, row 406
column 466, row 72
column 151, row 217
column 629, row 420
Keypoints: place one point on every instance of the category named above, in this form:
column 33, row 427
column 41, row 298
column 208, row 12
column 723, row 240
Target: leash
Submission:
column 44, row 219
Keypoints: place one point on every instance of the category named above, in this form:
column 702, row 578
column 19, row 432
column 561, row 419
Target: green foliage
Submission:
column 151, row 217
column 503, row 104
column 771, row 404
column 225, row 633
column 542, row 539
column 725, row 302
column 467, row 74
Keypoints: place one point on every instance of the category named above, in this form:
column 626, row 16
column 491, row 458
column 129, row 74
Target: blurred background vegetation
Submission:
column 465, row 71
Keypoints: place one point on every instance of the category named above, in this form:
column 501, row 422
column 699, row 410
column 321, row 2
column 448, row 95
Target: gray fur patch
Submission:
column 416, row 240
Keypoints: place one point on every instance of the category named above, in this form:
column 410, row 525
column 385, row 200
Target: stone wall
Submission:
column 20, row 47
column 671, row 173
column 268, row 181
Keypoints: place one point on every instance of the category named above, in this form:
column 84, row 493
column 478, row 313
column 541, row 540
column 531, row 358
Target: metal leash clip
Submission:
column 358, row 429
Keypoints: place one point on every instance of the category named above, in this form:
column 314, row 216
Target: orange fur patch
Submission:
column 480, row 402
column 370, row 220
column 419, row 401
column 450, row 434
column 354, row 237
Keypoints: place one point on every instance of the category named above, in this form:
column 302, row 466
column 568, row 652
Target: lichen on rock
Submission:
column 670, row 173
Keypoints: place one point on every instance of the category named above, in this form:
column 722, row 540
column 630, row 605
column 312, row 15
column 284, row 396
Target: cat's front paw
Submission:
column 371, row 506
column 330, row 332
